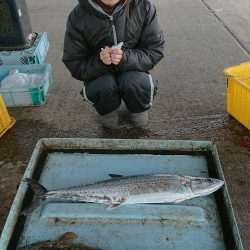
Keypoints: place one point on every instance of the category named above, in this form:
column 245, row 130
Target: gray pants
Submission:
column 136, row 89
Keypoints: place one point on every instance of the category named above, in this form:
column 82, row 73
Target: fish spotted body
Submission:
column 118, row 191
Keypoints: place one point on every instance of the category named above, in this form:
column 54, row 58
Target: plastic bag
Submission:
column 21, row 80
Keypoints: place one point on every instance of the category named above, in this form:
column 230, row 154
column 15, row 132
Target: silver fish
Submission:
column 120, row 190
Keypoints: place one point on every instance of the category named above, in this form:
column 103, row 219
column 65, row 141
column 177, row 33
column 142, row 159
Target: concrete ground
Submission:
column 203, row 37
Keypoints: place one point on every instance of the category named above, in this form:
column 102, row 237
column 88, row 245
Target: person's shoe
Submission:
column 110, row 120
column 139, row 119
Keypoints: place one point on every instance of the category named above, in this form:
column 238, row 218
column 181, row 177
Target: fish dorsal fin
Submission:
column 116, row 175
column 113, row 206
column 68, row 236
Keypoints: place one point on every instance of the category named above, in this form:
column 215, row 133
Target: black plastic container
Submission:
column 15, row 28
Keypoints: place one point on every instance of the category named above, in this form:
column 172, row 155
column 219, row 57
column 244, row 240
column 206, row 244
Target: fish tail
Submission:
column 39, row 195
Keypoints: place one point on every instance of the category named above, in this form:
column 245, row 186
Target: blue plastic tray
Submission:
column 201, row 223
column 33, row 55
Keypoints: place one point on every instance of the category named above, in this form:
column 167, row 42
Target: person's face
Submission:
column 110, row 2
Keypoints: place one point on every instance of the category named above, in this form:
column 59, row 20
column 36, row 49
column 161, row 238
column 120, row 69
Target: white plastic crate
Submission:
column 33, row 55
column 26, row 96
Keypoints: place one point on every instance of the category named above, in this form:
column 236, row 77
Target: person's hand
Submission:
column 116, row 56
column 105, row 55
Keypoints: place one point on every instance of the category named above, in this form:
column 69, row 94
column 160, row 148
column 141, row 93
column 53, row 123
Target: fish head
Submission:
column 205, row 186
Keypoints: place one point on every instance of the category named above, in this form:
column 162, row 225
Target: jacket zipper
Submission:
column 111, row 19
column 113, row 24
column 113, row 28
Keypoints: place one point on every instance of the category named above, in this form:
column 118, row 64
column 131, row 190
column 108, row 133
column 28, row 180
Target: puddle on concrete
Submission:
column 210, row 124
column 125, row 132
column 239, row 134
column 188, row 125
column 11, row 174
column 192, row 118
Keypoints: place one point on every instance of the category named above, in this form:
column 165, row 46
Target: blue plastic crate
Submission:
column 26, row 96
column 34, row 55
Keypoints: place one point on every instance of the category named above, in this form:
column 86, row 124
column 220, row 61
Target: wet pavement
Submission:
column 190, row 104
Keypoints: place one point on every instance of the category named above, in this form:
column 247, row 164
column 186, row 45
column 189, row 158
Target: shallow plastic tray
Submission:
column 201, row 223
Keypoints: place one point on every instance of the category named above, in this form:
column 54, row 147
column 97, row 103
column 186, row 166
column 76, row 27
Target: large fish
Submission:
column 120, row 190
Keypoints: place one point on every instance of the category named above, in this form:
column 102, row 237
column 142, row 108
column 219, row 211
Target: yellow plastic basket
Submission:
column 238, row 92
column 6, row 122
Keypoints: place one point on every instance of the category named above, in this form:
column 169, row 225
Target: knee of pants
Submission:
column 102, row 93
column 104, row 86
column 137, row 90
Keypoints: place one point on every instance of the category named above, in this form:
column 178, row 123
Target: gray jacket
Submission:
column 89, row 29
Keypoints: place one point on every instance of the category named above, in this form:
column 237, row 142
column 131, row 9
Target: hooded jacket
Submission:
column 89, row 29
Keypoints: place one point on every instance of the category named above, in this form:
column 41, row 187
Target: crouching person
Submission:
column 111, row 45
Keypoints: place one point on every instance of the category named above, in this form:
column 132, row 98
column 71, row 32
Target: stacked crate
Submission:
column 28, row 60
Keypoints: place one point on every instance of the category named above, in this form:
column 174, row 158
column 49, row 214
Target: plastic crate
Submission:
column 6, row 122
column 238, row 92
column 34, row 55
column 26, row 96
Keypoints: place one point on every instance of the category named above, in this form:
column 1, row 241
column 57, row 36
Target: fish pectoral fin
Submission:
column 114, row 205
column 180, row 200
column 117, row 203
column 116, row 175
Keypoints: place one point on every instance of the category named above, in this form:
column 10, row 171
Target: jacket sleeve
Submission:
column 78, row 58
column 150, row 48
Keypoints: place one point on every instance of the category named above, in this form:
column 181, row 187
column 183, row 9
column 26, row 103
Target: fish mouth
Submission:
column 205, row 186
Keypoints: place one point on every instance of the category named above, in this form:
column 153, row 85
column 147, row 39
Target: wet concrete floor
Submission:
column 190, row 104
